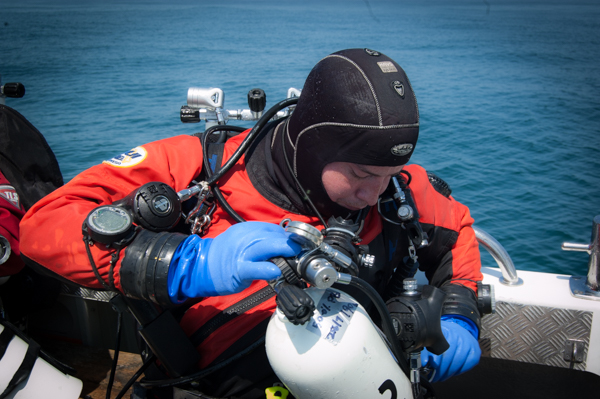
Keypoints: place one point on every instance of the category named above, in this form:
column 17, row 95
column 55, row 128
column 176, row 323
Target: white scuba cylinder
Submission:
column 45, row 381
column 339, row 353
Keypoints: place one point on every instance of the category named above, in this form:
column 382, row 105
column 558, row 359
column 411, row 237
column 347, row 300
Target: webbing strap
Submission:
column 10, row 330
column 5, row 337
column 215, row 156
column 24, row 369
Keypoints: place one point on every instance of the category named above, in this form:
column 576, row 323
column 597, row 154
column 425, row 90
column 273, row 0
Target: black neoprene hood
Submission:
column 356, row 106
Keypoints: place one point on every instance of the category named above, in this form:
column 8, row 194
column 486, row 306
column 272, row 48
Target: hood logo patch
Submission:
column 400, row 150
column 372, row 52
column 399, row 87
column 129, row 158
column 387, row 66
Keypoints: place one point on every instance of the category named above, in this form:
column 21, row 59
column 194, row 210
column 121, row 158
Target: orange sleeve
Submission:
column 453, row 255
column 466, row 259
column 51, row 232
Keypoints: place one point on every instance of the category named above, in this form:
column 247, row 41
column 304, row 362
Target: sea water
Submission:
column 508, row 91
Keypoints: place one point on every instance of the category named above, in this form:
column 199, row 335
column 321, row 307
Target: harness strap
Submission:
column 5, row 337
column 396, row 231
column 214, row 155
column 24, row 369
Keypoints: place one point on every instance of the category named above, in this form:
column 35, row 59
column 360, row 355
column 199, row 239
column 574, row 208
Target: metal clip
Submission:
column 200, row 216
column 201, row 190
column 202, row 222
column 415, row 367
column 412, row 252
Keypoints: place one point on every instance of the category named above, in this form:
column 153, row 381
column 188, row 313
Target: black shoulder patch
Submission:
column 439, row 184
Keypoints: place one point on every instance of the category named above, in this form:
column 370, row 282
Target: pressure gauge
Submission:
column 109, row 224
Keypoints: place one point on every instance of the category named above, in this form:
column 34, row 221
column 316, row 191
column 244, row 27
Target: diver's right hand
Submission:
column 229, row 262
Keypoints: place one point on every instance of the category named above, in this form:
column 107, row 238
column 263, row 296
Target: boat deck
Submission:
column 93, row 366
column 501, row 379
column 491, row 379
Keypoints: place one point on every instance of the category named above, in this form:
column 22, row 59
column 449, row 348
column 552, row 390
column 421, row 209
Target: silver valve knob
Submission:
column 405, row 213
column 410, row 286
column 367, row 260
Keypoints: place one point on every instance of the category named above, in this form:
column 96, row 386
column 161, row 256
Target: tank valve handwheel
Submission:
column 296, row 304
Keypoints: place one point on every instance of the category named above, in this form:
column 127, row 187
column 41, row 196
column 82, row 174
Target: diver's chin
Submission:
column 353, row 207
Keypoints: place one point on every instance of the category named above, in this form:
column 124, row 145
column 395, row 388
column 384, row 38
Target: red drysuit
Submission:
column 51, row 229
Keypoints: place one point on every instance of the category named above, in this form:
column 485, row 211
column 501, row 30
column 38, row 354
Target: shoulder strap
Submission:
column 393, row 232
column 397, row 233
column 214, row 154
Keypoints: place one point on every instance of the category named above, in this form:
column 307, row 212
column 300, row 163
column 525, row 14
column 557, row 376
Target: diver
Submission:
column 350, row 137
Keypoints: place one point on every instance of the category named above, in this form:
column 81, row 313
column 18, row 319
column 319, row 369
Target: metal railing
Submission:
column 502, row 258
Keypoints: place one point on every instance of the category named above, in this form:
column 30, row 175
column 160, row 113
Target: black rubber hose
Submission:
column 113, row 369
column 386, row 321
column 256, row 130
column 137, row 375
column 223, row 129
column 202, row 373
column 305, row 196
column 416, row 391
column 222, row 137
column 254, row 134
column 216, row 191
column 408, row 177
column 225, row 205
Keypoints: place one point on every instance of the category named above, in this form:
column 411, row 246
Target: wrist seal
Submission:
column 145, row 267
column 461, row 301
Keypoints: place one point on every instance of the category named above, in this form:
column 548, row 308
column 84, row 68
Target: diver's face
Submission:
column 355, row 186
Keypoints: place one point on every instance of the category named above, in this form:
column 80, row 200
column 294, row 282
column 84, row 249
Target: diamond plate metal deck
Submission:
column 534, row 334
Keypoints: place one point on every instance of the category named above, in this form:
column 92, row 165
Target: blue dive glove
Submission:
column 463, row 353
column 229, row 262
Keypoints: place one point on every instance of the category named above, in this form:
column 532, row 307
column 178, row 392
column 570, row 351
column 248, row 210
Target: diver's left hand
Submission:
column 463, row 353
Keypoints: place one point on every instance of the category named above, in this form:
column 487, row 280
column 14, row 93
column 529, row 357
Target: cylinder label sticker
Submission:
column 332, row 316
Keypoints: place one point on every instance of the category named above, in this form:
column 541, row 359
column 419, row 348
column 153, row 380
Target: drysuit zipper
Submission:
column 231, row 313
